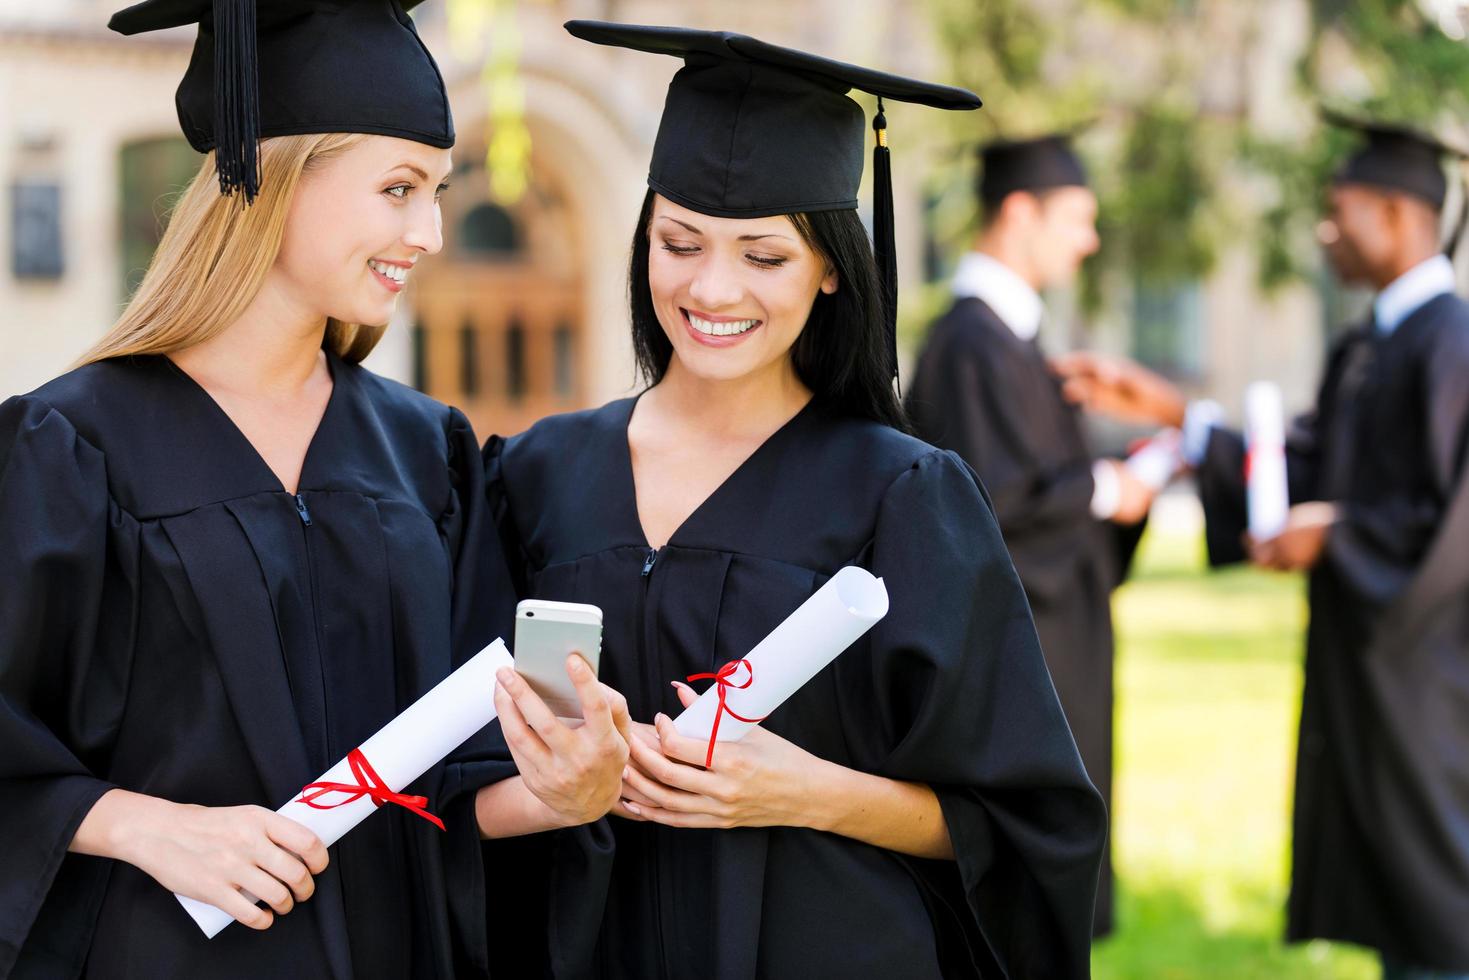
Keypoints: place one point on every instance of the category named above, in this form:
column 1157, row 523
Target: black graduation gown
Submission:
column 950, row 689
column 1381, row 828
column 989, row 396
column 175, row 624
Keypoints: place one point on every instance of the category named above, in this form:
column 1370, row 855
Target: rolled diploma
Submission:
column 1267, row 495
column 1158, row 459
column 401, row 751
column 833, row 619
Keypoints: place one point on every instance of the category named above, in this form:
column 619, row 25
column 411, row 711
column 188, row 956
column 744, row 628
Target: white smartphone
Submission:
column 545, row 634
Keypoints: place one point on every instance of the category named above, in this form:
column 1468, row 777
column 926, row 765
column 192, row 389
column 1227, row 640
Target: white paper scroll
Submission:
column 402, row 750
column 1158, row 459
column 833, row 619
column 1268, row 497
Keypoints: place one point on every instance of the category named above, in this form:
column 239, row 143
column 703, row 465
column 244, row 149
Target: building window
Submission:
column 420, row 357
column 1168, row 328
column 515, row 360
column 565, row 361
column 488, row 231
column 154, row 173
column 469, row 360
column 35, row 230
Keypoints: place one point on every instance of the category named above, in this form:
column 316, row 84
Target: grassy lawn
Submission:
column 1208, row 693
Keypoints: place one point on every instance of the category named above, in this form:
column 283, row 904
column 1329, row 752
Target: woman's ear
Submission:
column 831, row 282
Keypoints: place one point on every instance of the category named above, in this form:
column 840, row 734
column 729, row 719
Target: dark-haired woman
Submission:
column 916, row 810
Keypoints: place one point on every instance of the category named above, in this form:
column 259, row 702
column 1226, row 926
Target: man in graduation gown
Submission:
column 983, row 389
column 1380, row 523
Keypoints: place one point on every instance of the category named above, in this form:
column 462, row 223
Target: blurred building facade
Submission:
column 524, row 313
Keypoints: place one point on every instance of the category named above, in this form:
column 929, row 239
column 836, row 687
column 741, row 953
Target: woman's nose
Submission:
column 425, row 230
column 715, row 287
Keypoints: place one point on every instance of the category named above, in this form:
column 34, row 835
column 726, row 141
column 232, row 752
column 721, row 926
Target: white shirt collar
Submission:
column 1404, row 295
column 986, row 278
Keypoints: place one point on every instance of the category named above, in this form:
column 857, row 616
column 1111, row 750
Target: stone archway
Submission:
column 524, row 313
column 498, row 315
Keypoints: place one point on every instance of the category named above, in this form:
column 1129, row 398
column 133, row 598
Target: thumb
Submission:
column 686, row 695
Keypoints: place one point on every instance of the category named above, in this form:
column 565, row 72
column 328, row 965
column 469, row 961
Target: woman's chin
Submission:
column 715, row 365
column 367, row 316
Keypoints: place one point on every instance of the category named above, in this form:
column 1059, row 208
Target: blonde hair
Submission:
column 215, row 254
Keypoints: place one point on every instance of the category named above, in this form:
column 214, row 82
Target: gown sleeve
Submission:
column 482, row 605
column 59, row 700
column 966, row 705
column 530, row 932
column 1376, row 548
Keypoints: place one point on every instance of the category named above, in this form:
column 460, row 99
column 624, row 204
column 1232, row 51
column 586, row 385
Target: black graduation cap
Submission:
column 752, row 129
column 1037, row 164
column 1400, row 158
column 285, row 67
column 1395, row 157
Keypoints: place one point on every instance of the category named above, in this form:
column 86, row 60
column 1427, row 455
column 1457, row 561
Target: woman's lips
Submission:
column 713, row 330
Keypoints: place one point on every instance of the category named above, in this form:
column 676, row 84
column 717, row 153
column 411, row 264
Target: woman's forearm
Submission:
column 509, row 809
column 106, row 829
column 887, row 813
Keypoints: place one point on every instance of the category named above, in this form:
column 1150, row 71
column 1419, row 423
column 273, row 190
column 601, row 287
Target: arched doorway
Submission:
column 498, row 316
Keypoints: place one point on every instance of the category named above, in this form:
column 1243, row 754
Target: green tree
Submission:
column 1047, row 66
column 1389, row 60
column 1163, row 168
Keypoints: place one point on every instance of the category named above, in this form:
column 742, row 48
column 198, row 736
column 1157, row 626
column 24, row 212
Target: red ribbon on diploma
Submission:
column 722, row 677
column 369, row 783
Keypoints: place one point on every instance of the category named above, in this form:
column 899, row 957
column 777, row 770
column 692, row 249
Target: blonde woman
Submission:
column 231, row 554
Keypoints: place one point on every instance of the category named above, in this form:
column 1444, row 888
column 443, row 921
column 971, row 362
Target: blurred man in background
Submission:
column 984, row 390
column 1380, row 522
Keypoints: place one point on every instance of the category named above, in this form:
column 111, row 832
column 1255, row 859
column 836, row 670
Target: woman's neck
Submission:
column 748, row 407
column 272, row 349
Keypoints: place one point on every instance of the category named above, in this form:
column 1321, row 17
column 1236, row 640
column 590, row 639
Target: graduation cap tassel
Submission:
column 884, row 242
column 236, row 99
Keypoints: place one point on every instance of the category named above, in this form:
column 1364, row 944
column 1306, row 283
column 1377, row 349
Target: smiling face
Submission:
column 731, row 294
column 357, row 225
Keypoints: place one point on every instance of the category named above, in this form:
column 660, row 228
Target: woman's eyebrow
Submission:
column 742, row 238
column 419, row 171
column 683, row 224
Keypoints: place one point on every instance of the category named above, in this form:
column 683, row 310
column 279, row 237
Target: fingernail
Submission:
column 632, row 808
column 577, row 664
column 659, row 717
column 626, row 772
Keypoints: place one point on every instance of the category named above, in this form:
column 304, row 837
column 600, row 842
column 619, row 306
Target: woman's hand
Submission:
column 575, row 772
column 760, row 781
column 209, row 853
column 765, row 781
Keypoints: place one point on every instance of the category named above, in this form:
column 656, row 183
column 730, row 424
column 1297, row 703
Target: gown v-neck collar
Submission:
column 728, row 486
column 243, row 450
